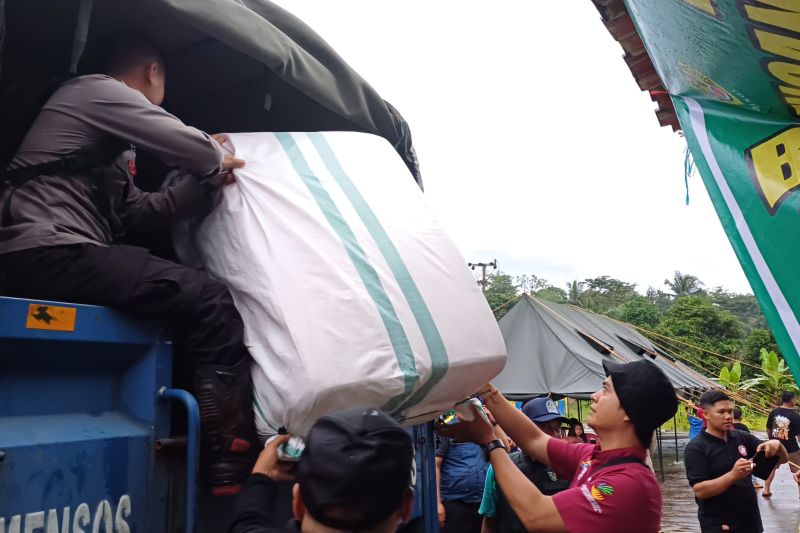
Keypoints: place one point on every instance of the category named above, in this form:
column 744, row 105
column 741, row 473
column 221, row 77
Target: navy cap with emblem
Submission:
column 542, row 410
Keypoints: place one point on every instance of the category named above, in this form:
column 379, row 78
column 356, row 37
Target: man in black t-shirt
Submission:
column 737, row 420
column 783, row 424
column 741, row 426
column 718, row 467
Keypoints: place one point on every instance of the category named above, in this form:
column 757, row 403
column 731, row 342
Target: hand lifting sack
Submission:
column 351, row 293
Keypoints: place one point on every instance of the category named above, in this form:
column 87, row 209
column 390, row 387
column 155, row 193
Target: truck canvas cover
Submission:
column 232, row 65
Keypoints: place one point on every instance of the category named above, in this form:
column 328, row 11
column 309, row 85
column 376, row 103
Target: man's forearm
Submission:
column 438, row 479
column 250, row 514
column 713, row 487
column 529, row 438
column 536, row 511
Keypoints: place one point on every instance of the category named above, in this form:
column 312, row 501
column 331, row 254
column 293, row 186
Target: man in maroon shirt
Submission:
column 612, row 491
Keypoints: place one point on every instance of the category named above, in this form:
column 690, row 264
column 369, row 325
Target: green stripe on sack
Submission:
column 422, row 315
column 261, row 414
column 368, row 275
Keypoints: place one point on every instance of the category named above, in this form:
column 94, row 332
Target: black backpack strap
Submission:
column 620, row 461
column 84, row 159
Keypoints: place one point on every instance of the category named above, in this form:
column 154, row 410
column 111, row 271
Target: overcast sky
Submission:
column 537, row 147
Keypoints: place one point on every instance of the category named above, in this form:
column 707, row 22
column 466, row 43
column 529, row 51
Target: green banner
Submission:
column 733, row 71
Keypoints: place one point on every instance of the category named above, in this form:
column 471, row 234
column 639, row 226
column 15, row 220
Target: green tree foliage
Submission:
column 531, row 283
column 743, row 306
column 751, row 350
column 605, row 293
column 660, row 299
column 576, row 293
column 731, row 378
column 695, row 320
column 500, row 290
column 639, row 311
column 774, row 377
column 552, row 294
column 684, row 285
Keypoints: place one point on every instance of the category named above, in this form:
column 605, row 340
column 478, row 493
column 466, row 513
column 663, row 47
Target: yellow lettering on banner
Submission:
column 785, row 72
column 787, row 16
column 780, row 45
column 51, row 317
column 706, row 6
column 794, row 103
column 789, row 91
column 775, row 165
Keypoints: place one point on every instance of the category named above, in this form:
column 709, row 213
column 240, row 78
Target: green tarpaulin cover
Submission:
column 559, row 349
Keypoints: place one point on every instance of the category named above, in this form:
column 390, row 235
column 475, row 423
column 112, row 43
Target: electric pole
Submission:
column 483, row 282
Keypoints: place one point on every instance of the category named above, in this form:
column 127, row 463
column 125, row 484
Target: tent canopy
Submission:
column 232, row 65
column 558, row 349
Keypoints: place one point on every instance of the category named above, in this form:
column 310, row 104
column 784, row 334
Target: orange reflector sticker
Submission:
column 51, row 317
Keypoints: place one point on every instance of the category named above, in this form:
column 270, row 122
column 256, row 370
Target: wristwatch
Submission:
column 492, row 445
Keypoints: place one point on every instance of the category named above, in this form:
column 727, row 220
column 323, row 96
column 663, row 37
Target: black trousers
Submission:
column 206, row 328
column 461, row 517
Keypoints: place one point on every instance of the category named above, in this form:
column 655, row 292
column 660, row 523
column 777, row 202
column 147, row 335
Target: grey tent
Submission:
column 559, row 349
column 232, row 65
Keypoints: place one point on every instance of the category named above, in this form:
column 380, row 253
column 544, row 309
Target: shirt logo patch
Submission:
column 780, row 428
column 590, row 499
column 601, row 490
column 742, row 450
column 584, row 468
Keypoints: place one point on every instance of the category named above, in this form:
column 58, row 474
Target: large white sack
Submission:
column 350, row 291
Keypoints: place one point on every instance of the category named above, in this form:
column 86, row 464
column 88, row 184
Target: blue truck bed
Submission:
column 85, row 432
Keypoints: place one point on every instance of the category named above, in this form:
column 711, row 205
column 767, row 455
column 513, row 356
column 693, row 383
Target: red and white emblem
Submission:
column 742, row 450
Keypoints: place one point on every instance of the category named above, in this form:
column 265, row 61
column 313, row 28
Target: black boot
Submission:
column 227, row 428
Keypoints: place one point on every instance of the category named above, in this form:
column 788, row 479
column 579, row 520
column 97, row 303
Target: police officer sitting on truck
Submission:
column 356, row 474
column 69, row 195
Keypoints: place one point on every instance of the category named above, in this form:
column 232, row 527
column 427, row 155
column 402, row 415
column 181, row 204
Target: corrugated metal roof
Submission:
column 619, row 24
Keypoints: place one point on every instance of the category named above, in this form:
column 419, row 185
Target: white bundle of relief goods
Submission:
column 350, row 291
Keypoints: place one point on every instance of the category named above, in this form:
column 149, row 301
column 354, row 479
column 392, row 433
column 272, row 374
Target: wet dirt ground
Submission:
column 780, row 513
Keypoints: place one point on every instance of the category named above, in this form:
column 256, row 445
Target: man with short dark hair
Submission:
column 718, row 467
column 737, row 420
column 356, row 474
column 611, row 489
column 69, row 196
column 498, row 516
column 783, row 423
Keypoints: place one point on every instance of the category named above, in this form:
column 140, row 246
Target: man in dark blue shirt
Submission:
column 460, row 475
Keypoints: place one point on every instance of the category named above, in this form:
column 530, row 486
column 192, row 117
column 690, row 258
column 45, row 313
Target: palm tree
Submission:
column 576, row 293
column 684, row 285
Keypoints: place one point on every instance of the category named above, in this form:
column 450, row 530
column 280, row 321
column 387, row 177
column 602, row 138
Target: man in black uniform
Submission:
column 68, row 196
column 783, row 423
column 718, row 466
column 498, row 516
column 356, row 474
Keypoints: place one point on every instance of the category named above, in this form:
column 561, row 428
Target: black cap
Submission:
column 359, row 460
column 646, row 395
